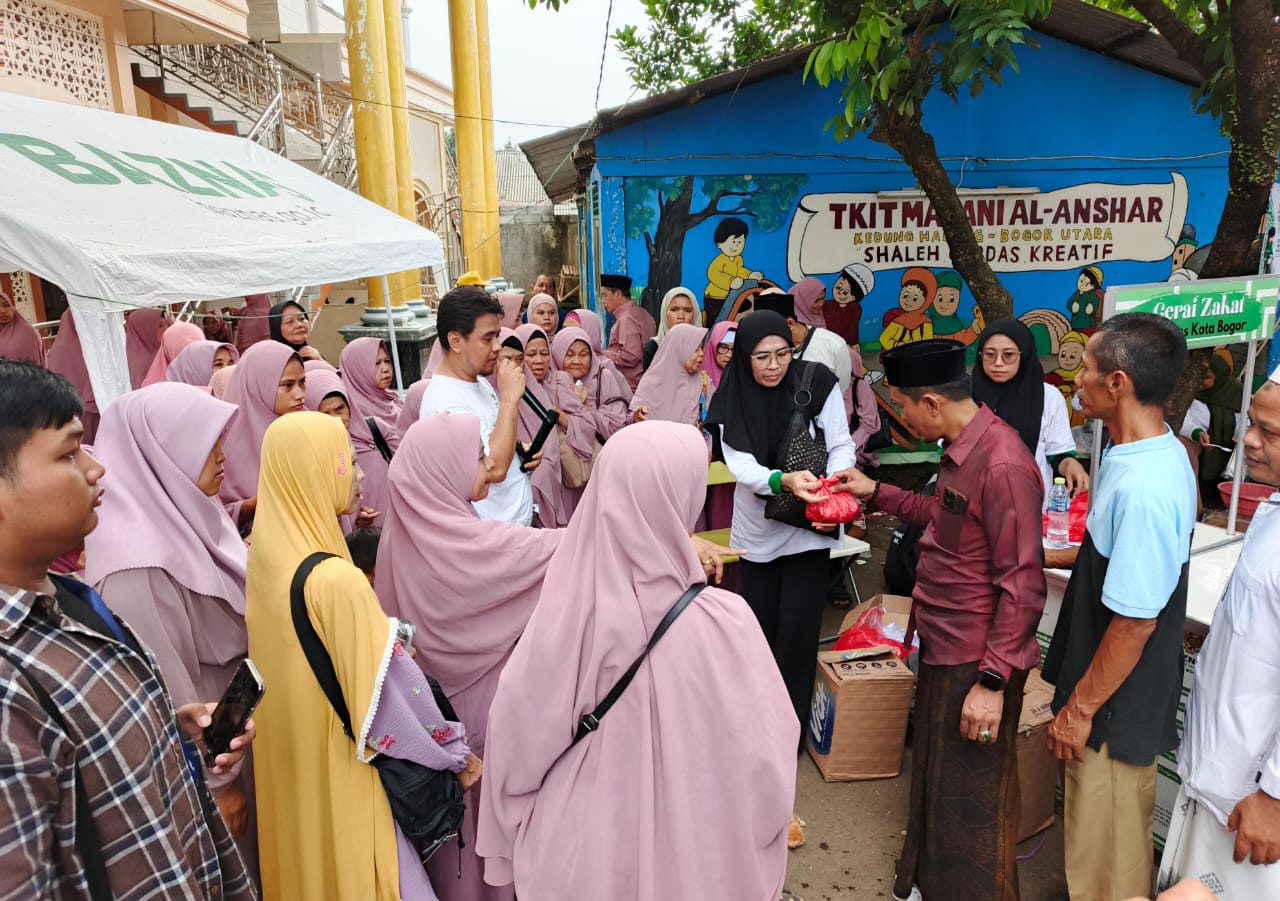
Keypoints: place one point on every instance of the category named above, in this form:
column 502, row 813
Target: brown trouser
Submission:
column 1107, row 828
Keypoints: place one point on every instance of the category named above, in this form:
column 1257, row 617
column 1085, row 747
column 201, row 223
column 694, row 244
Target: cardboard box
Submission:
column 1037, row 768
column 858, row 718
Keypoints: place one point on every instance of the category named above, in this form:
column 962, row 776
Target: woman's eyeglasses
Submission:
column 722, row 349
column 782, row 355
column 1005, row 356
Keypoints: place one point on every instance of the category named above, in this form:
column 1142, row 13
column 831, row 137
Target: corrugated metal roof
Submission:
column 519, row 188
column 561, row 161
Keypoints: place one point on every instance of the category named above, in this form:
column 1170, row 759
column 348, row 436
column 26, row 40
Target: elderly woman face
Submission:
column 577, row 360
column 537, row 356
column 770, row 360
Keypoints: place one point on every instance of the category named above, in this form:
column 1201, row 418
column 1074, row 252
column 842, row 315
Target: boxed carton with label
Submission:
column 1037, row 768
column 861, row 698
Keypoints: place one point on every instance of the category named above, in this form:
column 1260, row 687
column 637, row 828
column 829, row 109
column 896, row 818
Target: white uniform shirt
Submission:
column 1231, row 742
column 510, row 500
column 829, row 349
column 765, row 539
column 1055, row 435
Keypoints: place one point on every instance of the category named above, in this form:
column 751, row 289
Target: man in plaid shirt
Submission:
column 159, row 834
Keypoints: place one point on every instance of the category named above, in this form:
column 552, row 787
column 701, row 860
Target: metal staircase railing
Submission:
column 272, row 93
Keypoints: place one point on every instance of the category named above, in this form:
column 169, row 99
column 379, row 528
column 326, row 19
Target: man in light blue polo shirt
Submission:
column 1116, row 655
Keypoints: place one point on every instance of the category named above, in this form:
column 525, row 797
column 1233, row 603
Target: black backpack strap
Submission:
column 319, row 659
column 379, row 441
column 591, row 721
column 88, row 844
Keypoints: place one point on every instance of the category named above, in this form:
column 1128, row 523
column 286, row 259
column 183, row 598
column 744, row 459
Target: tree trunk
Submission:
column 1255, row 138
column 916, row 147
column 666, row 255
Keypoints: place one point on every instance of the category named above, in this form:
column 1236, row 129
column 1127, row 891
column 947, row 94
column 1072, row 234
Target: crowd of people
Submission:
column 509, row 553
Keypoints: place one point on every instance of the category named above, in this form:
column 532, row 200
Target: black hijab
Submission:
column 276, row 316
column 754, row 417
column 1019, row 401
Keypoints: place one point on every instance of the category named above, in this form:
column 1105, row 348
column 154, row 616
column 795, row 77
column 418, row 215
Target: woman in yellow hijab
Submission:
column 325, row 827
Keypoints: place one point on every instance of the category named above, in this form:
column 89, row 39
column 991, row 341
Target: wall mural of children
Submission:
column 946, row 321
column 1085, row 306
column 911, row 321
column 1070, row 359
column 843, row 313
column 727, row 275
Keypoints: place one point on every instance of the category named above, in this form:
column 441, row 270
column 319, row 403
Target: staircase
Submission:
column 245, row 90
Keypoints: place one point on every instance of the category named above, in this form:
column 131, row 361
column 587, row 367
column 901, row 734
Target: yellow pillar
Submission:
column 468, row 134
column 391, row 13
column 371, row 101
column 493, row 245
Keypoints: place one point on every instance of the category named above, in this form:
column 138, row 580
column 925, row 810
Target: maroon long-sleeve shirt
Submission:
column 980, row 586
column 632, row 328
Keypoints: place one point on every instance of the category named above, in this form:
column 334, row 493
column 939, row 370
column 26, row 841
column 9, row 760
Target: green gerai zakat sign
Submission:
column 1212, row 312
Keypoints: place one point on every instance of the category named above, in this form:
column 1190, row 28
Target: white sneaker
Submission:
column 914, row 896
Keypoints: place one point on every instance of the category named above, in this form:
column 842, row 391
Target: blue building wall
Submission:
column 1071, row 119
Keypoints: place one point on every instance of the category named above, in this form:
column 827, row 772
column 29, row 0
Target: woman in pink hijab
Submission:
column 590, row 323
column 579, row 373
column 66, row 358
column 544, row 312
column 165, row 555
column 412, row 406
column 177, row 338
column 469, row 587
column 638, row 809
column 713, row 359
column 366, row 370
column 251, row 321
column 329, row 394
column 675, row 389
column 511, row 302
column 18, row 338
column 220, row 379
column 269, row 381
column 143, row 331
column 196, row 363
column 555, row 502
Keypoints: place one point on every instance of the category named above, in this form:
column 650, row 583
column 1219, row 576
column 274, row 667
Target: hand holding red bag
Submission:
column 835, row 506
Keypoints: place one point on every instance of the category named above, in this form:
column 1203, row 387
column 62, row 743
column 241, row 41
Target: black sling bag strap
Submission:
column 379, row 441
column 88, row 845
column 591, row 722
column 312, row 647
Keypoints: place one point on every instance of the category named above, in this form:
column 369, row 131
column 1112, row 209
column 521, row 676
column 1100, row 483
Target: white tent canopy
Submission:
column 123, row 212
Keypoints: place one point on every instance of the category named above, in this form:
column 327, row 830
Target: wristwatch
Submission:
column 989, row 678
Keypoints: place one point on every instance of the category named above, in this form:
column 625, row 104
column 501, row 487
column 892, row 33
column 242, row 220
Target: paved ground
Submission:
column 854, row 831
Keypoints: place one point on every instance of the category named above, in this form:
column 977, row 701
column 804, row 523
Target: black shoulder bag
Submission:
column 800, row 451
column 88, row 844
column 378, row 440
column 427, row 804
column 591, row 721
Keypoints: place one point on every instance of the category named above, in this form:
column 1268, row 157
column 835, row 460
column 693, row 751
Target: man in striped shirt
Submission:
column 102, row 790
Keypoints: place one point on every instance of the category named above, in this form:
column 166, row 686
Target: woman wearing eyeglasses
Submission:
column 1010, row 380
column 784, row 569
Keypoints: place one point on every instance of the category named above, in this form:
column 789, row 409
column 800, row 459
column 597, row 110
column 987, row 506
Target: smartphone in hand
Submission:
column 241, row 698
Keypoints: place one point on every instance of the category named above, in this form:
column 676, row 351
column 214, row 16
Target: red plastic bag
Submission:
column 1077, row 514
column 835, row 506
column 868, row 632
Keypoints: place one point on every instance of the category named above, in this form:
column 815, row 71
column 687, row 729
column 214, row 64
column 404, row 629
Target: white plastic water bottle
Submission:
column 1059, row 533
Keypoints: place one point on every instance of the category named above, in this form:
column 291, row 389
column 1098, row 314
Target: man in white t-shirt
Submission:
column 467, row 323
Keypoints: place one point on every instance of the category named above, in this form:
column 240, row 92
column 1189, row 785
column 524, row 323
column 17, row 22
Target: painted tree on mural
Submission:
column 662, row 211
